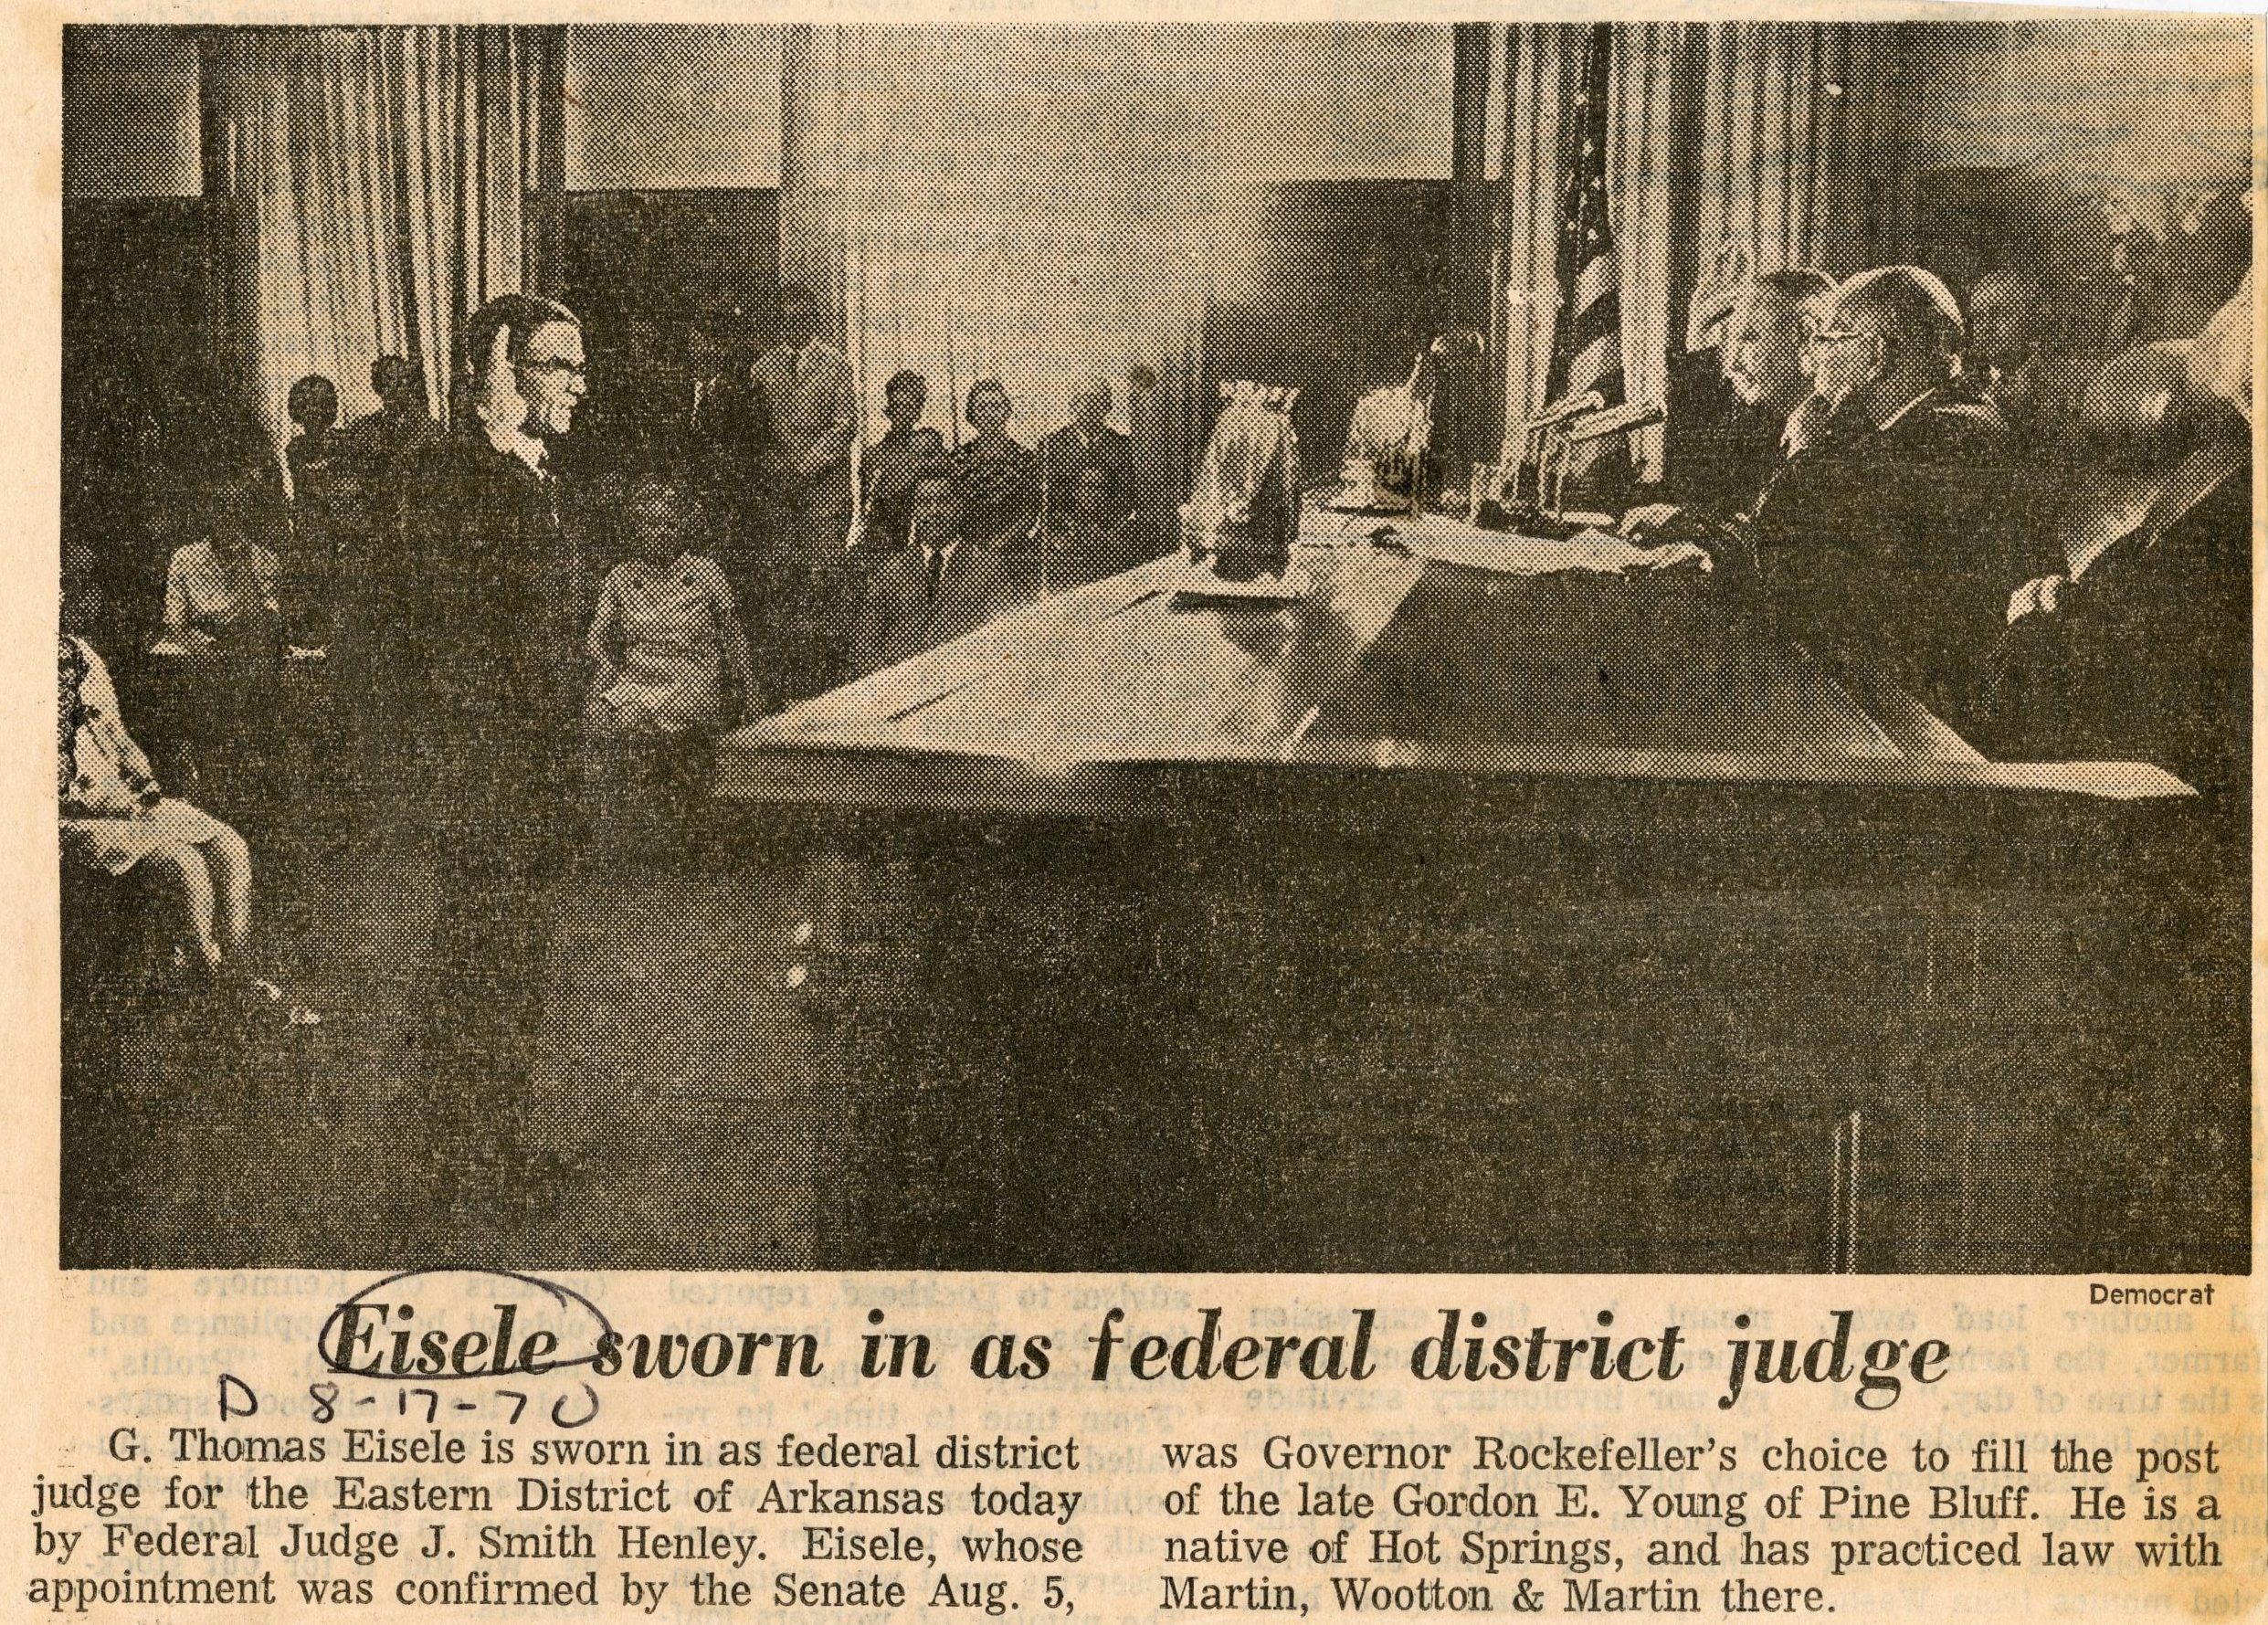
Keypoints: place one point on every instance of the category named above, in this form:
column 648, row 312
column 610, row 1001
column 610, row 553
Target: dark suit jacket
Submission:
column 1065, row 454
column 889, row 468
column 901, row 617
column 1720, row 452
column 1889, row 547
column 489, row 611
column 729, row 437
column 2148, row 655
column 374, row 452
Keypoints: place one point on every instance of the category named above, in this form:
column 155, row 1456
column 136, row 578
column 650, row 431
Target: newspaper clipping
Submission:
column 1111, row 817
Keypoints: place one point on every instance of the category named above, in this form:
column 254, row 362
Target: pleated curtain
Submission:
column 1652, row 64
column 1533, row 91
column 1775, row 135
column 1796, row 135
column 1024, row 204
column 376, row 183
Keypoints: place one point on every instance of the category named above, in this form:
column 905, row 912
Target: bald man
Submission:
column 1087, row 442
column 1882, row 540
column 2018, row 363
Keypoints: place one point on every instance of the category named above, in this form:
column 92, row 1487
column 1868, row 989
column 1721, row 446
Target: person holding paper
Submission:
column 222, row 589
column 221, row 656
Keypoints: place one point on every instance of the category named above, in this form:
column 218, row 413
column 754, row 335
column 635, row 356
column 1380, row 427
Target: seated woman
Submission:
column 313, row 407
column 116, row 819
column 323, row 501
column 997, row 478
column 221, row 592
column 891, row 462
column 224, row 644
column 672, row 663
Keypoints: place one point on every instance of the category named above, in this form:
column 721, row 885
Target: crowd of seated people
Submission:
column 2050, row 551
column 769, row 460
column 283, row 673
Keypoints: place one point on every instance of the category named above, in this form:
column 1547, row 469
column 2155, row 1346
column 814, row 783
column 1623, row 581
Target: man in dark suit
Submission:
column 938, row 588
column 2020, row 363
column 403, row 420
column 1728, row 427
column 360, row 513
column 492, row 608
column 1879, row 540
column 2139, row 648
column 726, row 432
column 1698, row 399
column 1086, row 441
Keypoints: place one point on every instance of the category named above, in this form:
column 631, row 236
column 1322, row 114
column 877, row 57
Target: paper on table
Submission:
column 1591, row 551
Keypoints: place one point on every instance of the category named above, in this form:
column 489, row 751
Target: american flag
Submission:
column 1586, row 352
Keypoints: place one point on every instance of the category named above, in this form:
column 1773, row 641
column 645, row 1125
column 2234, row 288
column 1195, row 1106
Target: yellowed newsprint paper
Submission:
column 980, row 814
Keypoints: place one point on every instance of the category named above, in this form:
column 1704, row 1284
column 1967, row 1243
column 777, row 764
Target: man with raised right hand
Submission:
column 492, row 605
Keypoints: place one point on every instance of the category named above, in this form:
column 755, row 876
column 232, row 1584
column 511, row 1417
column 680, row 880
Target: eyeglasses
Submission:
column 573, row 369
column 1819, row 337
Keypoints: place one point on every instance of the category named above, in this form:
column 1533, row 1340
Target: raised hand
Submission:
column 1716, row 293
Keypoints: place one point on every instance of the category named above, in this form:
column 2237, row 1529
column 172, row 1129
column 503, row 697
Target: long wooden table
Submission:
column 1476, row 911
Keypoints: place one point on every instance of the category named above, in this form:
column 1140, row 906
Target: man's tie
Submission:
column 936, row 571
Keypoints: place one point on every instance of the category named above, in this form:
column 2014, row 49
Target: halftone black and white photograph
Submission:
column 1596, row 647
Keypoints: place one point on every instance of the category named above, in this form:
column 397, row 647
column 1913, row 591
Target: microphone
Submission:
column 1560, row 411
column 1617, row 420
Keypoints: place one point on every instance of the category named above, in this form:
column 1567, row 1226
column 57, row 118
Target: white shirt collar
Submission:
column 517, row 442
